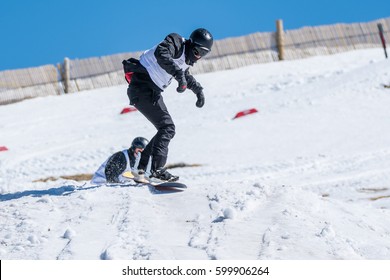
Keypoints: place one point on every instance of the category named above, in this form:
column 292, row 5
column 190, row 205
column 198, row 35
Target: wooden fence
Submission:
column 84, row 74
column 16, row 85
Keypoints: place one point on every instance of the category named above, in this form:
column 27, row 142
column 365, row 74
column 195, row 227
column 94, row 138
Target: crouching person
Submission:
column 112, row 170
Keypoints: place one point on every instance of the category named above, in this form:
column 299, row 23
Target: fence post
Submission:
column 380, row 27
column 66, row 75
column 280, row 38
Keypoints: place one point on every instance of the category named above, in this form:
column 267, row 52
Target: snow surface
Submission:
column 308, row 177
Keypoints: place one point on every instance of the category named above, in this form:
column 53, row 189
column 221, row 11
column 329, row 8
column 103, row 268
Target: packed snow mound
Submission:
column 306, row 177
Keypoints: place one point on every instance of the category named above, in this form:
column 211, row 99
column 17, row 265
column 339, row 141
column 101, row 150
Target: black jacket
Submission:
column 170, row 48
column 116, row 165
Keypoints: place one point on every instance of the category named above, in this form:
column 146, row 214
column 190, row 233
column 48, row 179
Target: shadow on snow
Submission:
column 59, row 191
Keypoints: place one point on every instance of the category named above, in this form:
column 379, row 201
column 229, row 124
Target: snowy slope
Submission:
column 308, row 177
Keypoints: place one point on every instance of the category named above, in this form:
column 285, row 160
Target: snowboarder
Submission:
column 123, row 161
column 149, row 76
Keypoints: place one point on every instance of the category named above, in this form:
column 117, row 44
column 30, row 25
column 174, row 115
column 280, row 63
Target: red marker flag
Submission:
column 128, row 110
column 245, row 113
column 3, row 148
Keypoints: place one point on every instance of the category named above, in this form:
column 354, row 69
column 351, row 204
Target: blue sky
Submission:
column 40, row 32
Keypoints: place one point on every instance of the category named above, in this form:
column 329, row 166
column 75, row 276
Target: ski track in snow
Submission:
column 307, row 177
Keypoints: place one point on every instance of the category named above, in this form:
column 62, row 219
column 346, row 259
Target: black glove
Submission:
column 200, row 101
column 181, row 79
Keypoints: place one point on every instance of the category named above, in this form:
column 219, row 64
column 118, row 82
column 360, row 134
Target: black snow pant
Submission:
column 147, row 98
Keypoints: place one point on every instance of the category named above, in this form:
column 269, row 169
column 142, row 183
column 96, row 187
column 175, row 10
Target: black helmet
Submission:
column 200, row 43
column 139, row 142
column 202, row 38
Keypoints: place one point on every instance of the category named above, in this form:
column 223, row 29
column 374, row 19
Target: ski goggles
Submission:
column 199, row 51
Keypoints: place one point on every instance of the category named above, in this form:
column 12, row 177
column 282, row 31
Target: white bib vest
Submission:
column 158, row 75
column 100, row 177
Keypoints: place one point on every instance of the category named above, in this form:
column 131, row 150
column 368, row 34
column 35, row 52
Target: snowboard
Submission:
column 168, row 187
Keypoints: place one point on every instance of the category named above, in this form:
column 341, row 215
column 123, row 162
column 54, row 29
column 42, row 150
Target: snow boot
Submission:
column 139, row 176
column 161, row 174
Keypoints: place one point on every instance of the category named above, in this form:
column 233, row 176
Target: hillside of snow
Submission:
column 307, row 177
